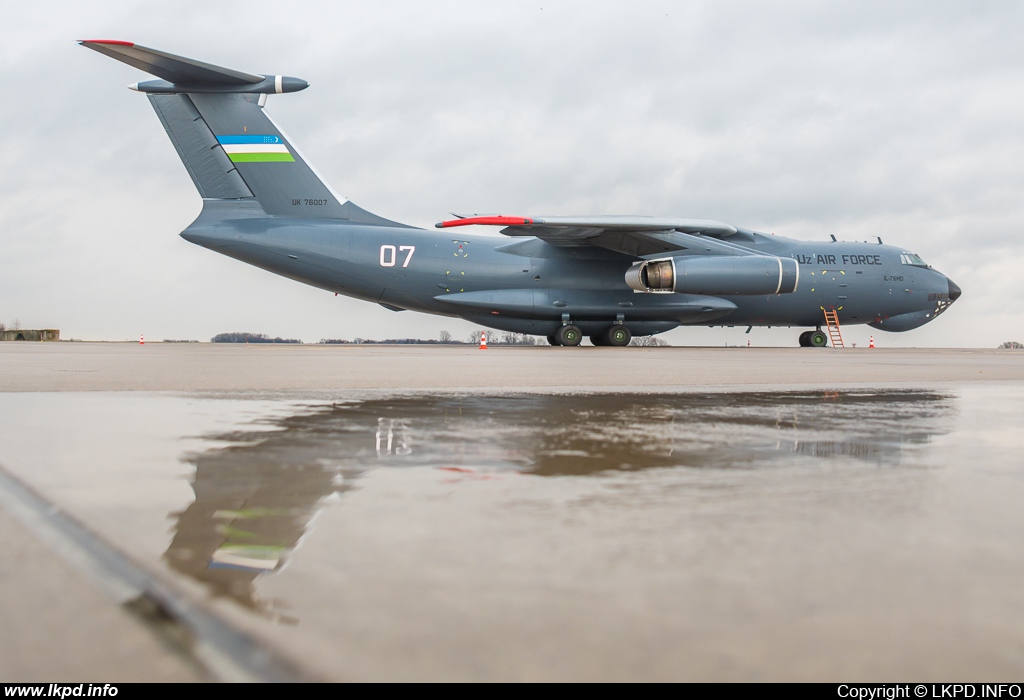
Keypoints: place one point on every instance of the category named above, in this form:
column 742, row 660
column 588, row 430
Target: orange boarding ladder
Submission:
column 832, row 321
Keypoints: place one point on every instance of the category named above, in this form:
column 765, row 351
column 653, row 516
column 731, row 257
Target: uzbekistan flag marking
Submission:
column 254, row 148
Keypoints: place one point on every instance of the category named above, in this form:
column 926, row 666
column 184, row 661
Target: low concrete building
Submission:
column 21, row 334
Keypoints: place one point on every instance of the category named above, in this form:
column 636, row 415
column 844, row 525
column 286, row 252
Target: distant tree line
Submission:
column 516, row 339
column 388, row 341
column 444, row 338
column 497, row 338
column 1011, row 345
column 249, row 338
column 649, row 341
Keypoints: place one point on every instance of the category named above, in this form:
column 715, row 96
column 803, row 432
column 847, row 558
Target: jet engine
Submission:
column 715, row 275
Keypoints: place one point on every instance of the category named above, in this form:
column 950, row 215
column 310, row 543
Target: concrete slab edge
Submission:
column 226, row 653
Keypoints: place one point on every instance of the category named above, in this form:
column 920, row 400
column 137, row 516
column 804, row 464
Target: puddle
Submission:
column 255, row 498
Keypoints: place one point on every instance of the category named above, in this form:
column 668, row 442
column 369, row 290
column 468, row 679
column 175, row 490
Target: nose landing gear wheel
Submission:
column 618, row 336
column 569, row 336
column 813, row 339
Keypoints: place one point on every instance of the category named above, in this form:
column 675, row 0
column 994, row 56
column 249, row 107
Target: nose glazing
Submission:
column 954, row 291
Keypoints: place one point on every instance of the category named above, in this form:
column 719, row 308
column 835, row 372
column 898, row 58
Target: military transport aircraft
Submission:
column 564, row 277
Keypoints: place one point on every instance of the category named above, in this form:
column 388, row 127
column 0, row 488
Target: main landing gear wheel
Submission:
column 552, row 340
column 569, row 336
column 598, row 340
column 617, row 336
column 805, row 339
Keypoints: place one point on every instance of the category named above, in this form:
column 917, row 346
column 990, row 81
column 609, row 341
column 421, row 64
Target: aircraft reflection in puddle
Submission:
column 255, row 498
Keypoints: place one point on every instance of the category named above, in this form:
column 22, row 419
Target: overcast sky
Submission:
column 903, row 120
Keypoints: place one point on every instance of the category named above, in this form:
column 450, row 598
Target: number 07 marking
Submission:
column 389, row 255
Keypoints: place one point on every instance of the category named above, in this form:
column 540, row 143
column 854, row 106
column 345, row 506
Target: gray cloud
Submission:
column 855, row 119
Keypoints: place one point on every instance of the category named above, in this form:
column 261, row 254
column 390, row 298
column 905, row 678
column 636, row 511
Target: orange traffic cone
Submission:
column 483, row 341
column 871, row 344
column 142, row 341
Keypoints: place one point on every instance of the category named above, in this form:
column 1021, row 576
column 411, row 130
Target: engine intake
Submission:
column 715, row 275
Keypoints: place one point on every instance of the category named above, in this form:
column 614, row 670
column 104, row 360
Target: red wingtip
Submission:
column 106, row 41
column 487, row 221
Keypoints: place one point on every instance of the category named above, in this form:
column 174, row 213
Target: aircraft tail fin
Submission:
column 230, row 146
column 211, row 169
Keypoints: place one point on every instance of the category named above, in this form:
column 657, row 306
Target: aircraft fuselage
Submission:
column 526, row 285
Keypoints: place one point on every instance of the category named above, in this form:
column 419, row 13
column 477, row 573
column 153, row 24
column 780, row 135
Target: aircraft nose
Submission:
column 954, row 291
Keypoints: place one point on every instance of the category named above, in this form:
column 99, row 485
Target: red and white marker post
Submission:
column 871, row 342
column 483, row 341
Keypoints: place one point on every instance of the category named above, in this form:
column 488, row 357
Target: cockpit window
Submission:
column 911, row 259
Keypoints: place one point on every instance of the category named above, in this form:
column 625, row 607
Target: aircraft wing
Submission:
column 632, row 235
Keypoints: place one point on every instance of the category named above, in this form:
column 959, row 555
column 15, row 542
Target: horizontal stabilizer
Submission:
column 179, row 74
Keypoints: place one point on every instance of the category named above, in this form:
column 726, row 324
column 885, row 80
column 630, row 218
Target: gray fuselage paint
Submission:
column 481, row 278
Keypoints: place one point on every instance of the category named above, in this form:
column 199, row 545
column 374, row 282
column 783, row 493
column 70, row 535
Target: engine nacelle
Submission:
column 716, row 275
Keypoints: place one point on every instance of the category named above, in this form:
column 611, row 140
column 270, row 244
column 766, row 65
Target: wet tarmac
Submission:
column 819, row 534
